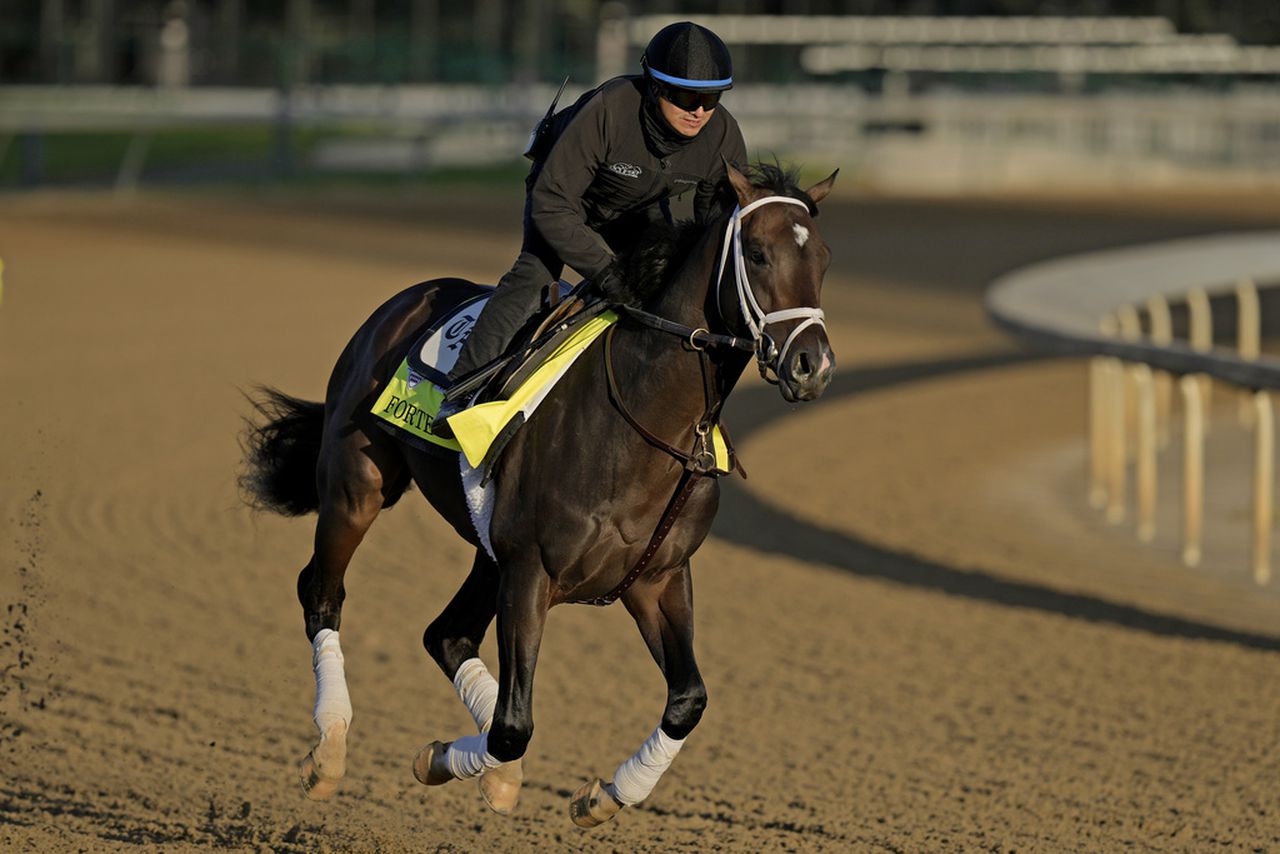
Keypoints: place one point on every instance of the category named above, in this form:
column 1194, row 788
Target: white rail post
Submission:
column 1100, row 420
column 1192, row 470
column 1146, row 452
column 1130, row 330
column 1263, row 485
column 1202, row 342
column 1117, row 453
column 1161, row 336
column 1249, row 337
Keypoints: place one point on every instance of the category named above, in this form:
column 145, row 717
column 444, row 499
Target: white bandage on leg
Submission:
column 333, row 703
column 469, row 756
column 478, row 691
column 635, row 778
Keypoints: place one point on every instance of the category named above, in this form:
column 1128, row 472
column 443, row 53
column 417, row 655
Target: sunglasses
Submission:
column 690, row 100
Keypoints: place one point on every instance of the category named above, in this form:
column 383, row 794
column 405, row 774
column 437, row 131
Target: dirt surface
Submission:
column 915, row 635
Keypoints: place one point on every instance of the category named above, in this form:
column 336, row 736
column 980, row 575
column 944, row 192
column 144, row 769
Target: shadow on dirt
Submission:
column 748, row 520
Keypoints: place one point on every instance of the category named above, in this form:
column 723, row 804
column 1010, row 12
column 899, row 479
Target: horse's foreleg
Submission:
column 663, row 611
column 522, row 601
column 453, row 642
column 350, row 499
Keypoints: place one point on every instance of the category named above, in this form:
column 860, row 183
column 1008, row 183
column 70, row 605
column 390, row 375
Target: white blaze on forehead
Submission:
column 802, row 234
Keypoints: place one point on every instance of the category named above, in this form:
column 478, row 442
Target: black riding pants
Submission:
column 517, row 297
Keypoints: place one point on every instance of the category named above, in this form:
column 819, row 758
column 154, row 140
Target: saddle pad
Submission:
column 410, row 401
column 476, row 428
column 413, row 395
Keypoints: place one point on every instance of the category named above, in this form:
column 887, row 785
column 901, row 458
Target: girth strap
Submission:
column 688, row 480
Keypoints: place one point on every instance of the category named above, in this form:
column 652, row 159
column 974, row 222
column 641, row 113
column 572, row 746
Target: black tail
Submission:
column 280, row 456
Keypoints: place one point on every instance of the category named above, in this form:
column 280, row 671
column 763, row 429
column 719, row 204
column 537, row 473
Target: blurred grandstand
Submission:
column 958, row 95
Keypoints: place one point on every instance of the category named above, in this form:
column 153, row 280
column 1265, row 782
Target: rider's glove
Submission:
column 609, row 284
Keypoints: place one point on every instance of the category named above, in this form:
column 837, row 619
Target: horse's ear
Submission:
column 819, row 191
column 741, row 186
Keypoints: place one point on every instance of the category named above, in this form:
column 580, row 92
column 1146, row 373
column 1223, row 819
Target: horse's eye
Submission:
column 756, row 255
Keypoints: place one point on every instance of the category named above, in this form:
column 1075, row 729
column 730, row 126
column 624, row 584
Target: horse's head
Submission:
column 779, row 259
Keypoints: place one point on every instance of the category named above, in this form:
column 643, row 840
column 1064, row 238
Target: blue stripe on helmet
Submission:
column 691, row 84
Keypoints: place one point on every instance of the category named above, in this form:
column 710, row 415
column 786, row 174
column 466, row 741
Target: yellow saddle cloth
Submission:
column 410, row 403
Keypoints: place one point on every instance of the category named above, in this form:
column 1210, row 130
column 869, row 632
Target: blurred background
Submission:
column 200, row 195
column 934, row 96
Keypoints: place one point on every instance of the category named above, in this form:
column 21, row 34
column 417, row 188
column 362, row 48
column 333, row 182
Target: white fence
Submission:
column 1116, row 305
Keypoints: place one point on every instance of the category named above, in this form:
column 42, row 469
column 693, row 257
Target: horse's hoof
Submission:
column 324, row 766
column 429, row 766
column 501, row 786
column 592, row 805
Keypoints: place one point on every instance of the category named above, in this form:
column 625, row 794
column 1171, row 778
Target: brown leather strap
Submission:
column 616, row 396
column 695, row 468
column 688, row 480
column 699, row 336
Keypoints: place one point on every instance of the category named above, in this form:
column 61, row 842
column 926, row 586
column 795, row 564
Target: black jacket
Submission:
column 606, row 165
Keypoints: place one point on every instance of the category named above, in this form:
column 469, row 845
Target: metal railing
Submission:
column 1115, row 306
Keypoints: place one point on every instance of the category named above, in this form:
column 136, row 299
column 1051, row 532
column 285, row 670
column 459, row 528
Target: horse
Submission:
column 601, row 495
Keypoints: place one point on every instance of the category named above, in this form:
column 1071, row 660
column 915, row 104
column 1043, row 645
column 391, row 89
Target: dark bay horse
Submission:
column 585, row 497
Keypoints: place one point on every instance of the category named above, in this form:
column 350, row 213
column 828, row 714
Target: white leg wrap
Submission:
column 333, row 703
column 478, row 691
column 635, row 778
column 469, row 756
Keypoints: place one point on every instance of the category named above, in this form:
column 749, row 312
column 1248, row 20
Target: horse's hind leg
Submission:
column 663, row 611
column 453, row 642
column 355, row 478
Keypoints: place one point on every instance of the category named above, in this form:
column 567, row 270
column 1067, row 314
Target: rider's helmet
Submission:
column 687, row 56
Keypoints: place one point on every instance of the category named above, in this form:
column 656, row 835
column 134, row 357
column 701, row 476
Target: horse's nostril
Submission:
column 801, row 367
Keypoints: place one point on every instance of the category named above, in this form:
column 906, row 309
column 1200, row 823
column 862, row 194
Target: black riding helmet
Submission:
column 688, row 56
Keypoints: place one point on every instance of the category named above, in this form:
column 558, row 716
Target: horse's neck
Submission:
column 667, row 374
column 686, row 297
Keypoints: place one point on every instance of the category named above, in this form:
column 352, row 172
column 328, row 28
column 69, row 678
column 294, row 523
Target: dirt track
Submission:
column 910, row 642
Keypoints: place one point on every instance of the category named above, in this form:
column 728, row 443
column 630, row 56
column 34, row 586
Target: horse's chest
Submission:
column 660, row 534
column 590, row 549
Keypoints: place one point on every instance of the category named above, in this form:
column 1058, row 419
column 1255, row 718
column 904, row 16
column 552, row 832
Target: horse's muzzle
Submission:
column 807, row 370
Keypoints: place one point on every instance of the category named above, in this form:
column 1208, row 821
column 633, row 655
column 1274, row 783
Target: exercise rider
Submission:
column 603, row 169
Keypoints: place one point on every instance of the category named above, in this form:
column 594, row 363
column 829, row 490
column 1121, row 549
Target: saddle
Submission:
column 544, row 332
column 411, row 398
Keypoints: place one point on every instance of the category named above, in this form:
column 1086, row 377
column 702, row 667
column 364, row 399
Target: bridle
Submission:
column 768, row 355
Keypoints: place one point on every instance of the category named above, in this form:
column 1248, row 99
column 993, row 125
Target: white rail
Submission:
column 1095, row 304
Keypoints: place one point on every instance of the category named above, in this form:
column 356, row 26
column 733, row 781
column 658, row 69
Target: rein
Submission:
column 703, row 459
column 694, row 336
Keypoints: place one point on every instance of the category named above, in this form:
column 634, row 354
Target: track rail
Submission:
column 1096, row 305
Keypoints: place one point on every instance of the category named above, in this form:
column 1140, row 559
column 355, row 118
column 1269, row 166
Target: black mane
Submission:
column 779, row 180
column 647, row 268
